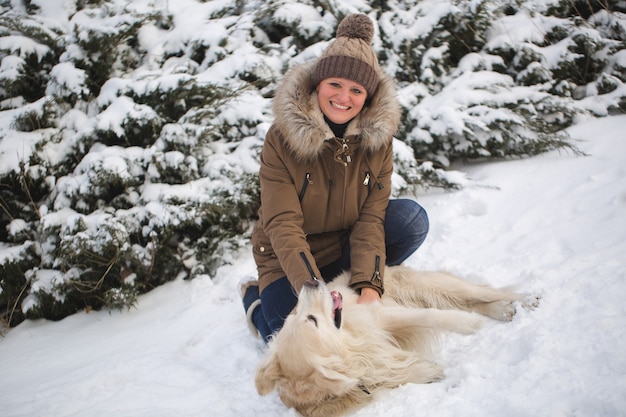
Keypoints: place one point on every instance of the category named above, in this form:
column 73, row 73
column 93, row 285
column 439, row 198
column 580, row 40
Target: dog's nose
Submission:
column 313, row 283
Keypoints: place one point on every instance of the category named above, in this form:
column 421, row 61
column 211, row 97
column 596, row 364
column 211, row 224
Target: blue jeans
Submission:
column 406, row 227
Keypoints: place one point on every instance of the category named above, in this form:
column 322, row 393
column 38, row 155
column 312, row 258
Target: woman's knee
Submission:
column 407, row 216
column 406, row 228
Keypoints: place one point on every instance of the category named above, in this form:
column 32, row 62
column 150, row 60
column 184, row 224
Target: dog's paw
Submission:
column 503, row 310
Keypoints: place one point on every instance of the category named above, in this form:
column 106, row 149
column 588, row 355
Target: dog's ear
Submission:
column 267, row 374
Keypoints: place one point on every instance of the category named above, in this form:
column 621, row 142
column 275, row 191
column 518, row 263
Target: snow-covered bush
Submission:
column 130, row 130
column 496, row 80
column 128, row 147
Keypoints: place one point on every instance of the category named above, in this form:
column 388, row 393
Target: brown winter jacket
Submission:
column 312, row 202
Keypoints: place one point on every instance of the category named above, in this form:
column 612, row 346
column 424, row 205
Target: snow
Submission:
column 22, row 44
column 67, row 77
column 552, row 225
column 513, row 30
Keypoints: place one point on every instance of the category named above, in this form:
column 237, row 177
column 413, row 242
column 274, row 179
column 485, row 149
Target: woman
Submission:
column 325, row 174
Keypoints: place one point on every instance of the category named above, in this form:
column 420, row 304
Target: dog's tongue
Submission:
column 337, row 307
column 337, row 300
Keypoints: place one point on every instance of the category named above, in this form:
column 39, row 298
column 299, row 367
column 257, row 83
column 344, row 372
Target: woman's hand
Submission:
column 369, row 295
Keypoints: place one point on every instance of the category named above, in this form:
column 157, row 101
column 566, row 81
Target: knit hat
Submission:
column 350, row 55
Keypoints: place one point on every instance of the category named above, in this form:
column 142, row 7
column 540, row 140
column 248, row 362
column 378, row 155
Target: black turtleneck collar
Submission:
column 338, row 129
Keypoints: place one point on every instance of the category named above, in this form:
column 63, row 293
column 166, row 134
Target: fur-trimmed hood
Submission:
column 299, row 118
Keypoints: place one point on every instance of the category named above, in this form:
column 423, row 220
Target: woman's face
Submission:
column 340, row 99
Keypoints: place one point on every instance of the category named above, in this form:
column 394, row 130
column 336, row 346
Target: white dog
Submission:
column 332, row 354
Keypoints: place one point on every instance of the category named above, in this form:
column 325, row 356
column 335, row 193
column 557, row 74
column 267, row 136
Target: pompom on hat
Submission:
column 350, row 55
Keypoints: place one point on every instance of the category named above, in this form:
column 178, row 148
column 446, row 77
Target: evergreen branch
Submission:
column 18, row 299
column 87, row 287
column 26, row 190
column 5, row 207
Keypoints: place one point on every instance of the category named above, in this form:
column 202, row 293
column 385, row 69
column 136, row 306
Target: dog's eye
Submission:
column 313, row 319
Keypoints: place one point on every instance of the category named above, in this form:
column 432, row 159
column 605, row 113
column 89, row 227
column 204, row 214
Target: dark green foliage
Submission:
column 36, row 118
column 103, row 50
column 15, row 287
column 140, row 168
column 33, row 73
column 31, row 83
column 585, row 8
column 14, row 283
column 466, row 32
column 586, row 65
column 138, row 131
column 51, row 308
column 300, row 33
column 522, row 127
column 172, row 104
column 457, row 33
column 92, row 266
column 20, row 194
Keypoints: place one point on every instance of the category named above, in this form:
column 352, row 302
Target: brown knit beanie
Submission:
column 350, row 55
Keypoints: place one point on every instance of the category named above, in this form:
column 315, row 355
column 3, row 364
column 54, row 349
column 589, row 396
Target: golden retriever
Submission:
column 332, row 354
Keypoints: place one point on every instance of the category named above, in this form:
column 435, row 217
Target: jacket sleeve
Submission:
column 367, row 237
column 282, row 215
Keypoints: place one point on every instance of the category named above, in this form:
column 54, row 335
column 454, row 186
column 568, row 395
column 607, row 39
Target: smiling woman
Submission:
column 325, row 176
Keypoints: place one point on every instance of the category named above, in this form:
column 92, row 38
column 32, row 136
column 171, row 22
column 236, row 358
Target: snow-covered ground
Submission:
column 554, row 225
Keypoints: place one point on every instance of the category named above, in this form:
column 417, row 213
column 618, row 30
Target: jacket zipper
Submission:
column 376, row 279
column 308, row 266
column 307, row 181
column 345, row 147
column 366, row 181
